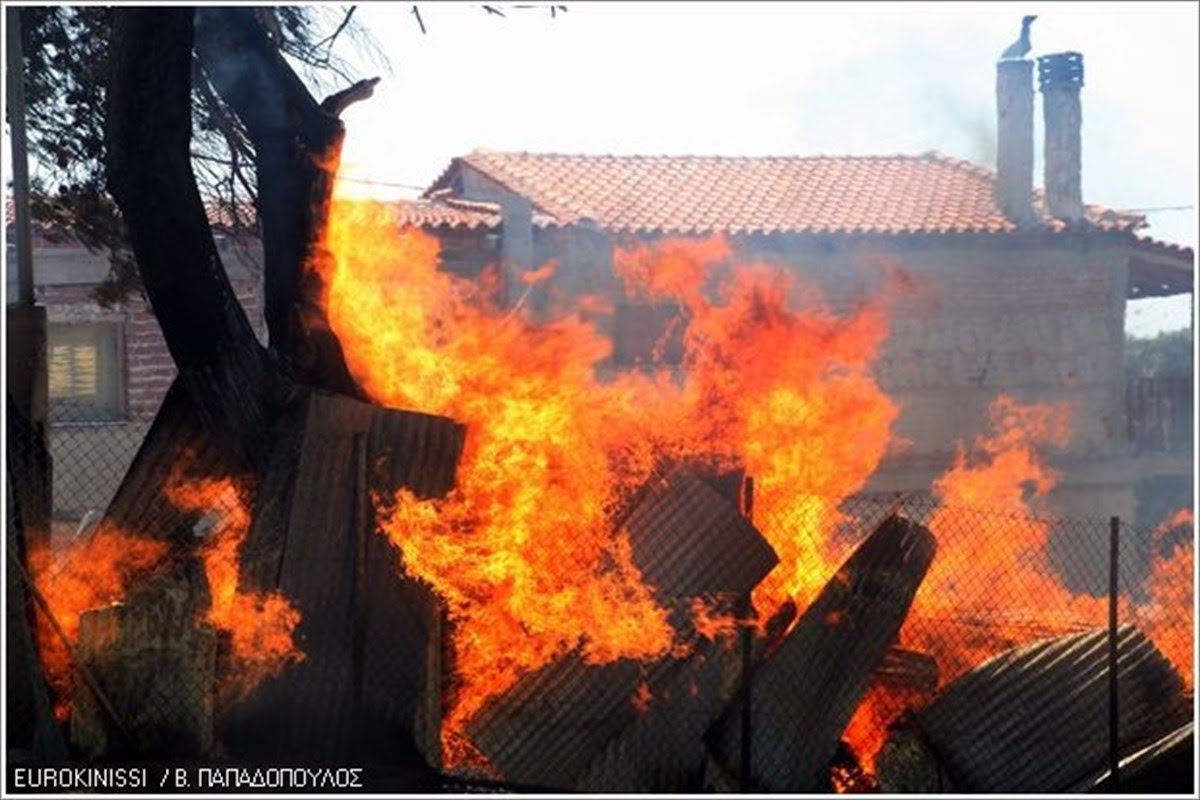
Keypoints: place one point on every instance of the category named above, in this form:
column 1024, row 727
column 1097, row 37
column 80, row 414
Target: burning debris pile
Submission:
column 507, row 567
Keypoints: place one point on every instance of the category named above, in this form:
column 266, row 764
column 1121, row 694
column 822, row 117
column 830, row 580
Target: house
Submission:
column 108, row 368
column 1030, row 286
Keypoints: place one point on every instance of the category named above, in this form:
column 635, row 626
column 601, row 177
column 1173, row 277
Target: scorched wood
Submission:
column 156, row 667
column 1035, row 718
column 662, row 751
column 805, row 693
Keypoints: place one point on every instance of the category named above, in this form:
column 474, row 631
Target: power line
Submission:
column 1156, row 208
column 373, row 182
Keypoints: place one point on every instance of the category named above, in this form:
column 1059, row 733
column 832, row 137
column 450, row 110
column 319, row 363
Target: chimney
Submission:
column 1060, row 77
column 1014, row 138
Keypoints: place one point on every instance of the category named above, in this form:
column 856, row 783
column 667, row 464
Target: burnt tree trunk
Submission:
column 237, row 409
column 297, row 143
column 226, row 372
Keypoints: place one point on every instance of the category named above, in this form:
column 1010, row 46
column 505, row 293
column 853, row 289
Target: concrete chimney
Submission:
column 1060, row 77
column 1014, row 138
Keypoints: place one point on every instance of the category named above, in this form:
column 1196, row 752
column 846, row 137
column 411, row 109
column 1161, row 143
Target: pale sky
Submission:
column 783, row 79
column 780, row 78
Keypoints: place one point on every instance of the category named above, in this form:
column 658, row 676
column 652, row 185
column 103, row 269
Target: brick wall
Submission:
column 91, row 457
column 145, row 360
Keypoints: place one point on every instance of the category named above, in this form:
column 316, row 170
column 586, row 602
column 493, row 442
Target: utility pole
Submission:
column 20, row 158
column 26, row 400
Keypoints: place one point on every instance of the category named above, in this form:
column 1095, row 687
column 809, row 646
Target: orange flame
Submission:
column 713, row 623
column 88, row 572
column 642, row 697
column 990, row 586
column 1169, row 614
column 778, row 384
column 539, row 275
column 991, row 564
column 522, row 551
column 261, row 625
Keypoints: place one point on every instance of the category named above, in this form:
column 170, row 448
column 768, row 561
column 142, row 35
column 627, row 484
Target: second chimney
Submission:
column 1060, row 77
column 1014, row 138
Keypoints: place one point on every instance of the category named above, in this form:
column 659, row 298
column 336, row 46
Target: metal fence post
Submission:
column 1114, row 754
column 747, row 655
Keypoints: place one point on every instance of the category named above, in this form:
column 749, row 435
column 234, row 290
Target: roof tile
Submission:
column 929, row 193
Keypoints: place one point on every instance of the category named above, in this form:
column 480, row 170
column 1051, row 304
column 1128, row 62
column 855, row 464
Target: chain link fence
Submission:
column 953, row 650
column 997, row 678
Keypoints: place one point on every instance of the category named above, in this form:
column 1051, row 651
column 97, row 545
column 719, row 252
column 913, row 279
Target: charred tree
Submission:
column 297, row 143
column 225, row 370
column 238, row 409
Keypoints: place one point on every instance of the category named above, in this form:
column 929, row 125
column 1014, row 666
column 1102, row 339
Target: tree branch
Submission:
column 338, row 102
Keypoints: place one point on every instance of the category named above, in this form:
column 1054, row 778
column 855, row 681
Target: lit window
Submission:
column 84, row 372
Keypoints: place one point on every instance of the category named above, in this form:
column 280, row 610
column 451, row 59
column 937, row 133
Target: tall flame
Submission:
column 1169, row 613
column 779, row 384
column 522, row 551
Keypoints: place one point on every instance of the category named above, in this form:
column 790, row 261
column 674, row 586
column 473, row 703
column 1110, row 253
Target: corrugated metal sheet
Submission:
column 368, row 688
column 1144, row 760
column 1035, row 718
column 663, row 750
column 688, row 541
column 804, row 694
column 546, row 729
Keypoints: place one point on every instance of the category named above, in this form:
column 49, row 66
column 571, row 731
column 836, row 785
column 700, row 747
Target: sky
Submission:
column 781, row 79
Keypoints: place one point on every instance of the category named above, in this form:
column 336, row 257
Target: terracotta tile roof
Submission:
column 447, row 212
column 1160, row 247
column 928, row 193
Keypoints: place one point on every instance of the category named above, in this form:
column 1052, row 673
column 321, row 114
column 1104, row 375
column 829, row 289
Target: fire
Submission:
column 993, row 562
column 522, row 552
column 642, row 697
column 261, row 625
column 713, row 623
column 88, row 572
column 990, row 578
column 780, row 385
column 1167, row 615
column 868, row 727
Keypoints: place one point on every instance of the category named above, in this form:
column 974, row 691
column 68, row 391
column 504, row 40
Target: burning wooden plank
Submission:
column 369, row 685
column 805, row 693
column 156, row 669
column 688, row 542
column 1035, row 718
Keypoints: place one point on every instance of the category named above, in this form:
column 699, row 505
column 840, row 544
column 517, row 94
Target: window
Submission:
column 85, row 372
